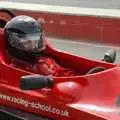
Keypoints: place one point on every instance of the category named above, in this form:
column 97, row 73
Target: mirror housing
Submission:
column 34, row 82
column 110, row 56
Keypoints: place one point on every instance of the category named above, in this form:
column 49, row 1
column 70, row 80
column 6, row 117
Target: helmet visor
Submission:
column 28, row 42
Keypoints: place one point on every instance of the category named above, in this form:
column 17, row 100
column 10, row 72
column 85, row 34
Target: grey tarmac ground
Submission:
column 93, row 50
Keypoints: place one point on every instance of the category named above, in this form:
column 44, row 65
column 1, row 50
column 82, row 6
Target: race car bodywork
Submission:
column 89, row 96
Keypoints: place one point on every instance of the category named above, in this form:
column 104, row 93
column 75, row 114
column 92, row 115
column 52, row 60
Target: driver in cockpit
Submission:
column 26, row 48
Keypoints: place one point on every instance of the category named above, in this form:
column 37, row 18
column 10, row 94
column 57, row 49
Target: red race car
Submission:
column 93, row 93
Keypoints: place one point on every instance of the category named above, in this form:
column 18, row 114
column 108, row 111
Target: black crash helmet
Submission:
column 24, row 33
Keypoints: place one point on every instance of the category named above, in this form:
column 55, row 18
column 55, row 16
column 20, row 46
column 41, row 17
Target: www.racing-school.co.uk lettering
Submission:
column 34, row 105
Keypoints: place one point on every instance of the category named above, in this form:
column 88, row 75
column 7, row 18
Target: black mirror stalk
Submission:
column 32, row 82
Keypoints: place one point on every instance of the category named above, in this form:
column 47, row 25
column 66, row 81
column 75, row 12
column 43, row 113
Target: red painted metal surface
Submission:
column 84, row 97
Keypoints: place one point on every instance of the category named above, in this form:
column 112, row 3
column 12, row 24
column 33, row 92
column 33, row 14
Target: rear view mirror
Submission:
column 33, row 82
column 110, row 56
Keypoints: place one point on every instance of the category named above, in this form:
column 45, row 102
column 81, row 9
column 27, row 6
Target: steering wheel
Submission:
column 3, row 21
column 95, row 70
